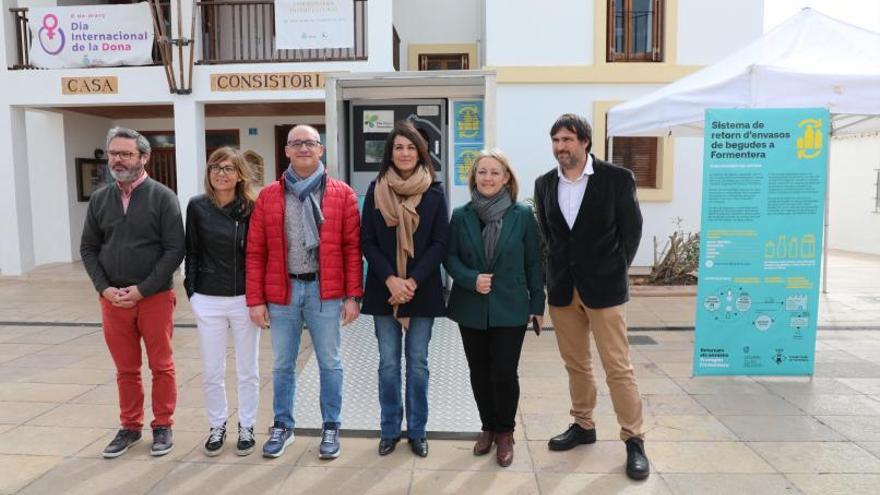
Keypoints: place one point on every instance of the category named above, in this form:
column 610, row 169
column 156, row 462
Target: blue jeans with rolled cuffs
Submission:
column 323, row 320
column 415, row 342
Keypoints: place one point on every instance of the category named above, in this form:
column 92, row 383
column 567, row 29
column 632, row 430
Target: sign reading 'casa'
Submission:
column 107, row 85
column 267, row 81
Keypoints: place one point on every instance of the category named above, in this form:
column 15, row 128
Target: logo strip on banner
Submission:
column 764, row 177
column 91, row 36
column 467, row 136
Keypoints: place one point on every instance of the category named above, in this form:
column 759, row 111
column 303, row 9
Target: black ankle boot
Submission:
column 637, row 466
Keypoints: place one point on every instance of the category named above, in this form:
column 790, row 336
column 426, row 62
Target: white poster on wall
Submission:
column 91, row 36
column 306, row 24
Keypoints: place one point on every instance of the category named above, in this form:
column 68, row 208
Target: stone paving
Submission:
column 704, row 435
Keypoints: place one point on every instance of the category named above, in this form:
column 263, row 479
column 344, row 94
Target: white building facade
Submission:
column 553, row 58
column 537, row 60
column 44, row 130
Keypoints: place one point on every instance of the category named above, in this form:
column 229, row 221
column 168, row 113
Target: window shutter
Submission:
column 659, row 29
column 444, row 61
column 638, row 154
column 163, row 167
column 628, row 51
column 610, row 53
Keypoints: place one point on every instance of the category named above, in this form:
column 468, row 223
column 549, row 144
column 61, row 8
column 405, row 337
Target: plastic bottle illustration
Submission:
column 781, row 245
column 808, row 246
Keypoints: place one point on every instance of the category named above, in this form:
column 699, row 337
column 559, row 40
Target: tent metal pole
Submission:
column 850, row 124
column 825, row 227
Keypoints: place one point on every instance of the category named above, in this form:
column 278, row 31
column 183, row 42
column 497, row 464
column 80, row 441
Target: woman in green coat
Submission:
column 495, row 261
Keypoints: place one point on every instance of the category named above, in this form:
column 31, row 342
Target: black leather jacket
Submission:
column 215, row 247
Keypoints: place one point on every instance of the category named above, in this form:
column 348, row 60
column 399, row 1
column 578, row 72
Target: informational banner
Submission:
column 91, row 36
column 764, row 177
column 467, row 136
column 307, row 24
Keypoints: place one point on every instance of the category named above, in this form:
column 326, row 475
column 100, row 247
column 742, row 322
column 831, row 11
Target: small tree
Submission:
column 677, row 262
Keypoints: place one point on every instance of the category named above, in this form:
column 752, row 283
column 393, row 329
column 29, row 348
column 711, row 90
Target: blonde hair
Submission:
column 512, row 186
column 244, row 187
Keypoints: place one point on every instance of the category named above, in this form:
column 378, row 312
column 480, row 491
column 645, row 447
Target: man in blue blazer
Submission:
column 590, row 218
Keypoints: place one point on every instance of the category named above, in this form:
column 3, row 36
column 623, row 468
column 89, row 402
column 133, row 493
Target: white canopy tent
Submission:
column 810, row 60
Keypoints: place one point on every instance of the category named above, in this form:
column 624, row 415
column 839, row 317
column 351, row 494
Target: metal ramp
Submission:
column 452, row 410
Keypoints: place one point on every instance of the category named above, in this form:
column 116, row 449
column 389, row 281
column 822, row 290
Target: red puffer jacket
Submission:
column 339, row 255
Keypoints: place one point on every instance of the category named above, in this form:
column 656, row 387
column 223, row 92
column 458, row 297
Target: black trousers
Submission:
column 493, row 358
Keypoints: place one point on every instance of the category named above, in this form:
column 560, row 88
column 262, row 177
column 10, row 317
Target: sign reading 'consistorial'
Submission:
column 267, row 81
column 91, row 35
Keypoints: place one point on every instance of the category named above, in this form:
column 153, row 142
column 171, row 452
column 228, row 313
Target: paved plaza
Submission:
column 704, row 435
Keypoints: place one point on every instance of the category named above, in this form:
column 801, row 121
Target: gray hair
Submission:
column 123, row 132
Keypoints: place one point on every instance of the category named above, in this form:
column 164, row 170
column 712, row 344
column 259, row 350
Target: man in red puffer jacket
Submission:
column 304, row 266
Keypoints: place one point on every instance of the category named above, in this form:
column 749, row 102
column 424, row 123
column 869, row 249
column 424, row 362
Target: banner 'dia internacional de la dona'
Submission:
column 91, row 36
column 763, row 201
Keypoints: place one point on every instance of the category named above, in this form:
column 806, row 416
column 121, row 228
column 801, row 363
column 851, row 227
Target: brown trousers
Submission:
column 573, row 325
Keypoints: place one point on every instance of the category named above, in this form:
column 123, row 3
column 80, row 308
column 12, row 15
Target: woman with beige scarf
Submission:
column 404, row 232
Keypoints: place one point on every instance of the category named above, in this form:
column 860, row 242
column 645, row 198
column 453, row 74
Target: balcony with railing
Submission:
column 229, row 32
column 243, row 31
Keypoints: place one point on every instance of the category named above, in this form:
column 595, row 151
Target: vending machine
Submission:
column 370, row 121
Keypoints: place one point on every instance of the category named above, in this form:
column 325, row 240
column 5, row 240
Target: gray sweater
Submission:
column 141, row 247
column 299, row 259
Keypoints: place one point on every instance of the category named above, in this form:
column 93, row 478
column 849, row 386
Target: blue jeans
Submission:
column 322, row 318
column 389, row 334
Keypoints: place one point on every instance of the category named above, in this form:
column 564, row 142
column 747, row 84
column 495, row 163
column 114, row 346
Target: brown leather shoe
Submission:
column 484, row 443
column 504, row 451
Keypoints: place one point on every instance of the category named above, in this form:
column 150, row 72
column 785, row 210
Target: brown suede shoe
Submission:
column 504, row 451
column 484, row 443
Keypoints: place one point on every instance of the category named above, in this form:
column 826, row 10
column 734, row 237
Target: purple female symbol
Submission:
column 49, row 29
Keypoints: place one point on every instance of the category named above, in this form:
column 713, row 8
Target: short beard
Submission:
column 128, row 176
column 568, row 162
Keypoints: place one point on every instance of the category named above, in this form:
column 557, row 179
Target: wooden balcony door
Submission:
column 163, row 167
column 163, row 161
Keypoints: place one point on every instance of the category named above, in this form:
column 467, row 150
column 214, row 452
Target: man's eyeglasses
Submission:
column 125, row 155
column 310, row 144
column 221, row 170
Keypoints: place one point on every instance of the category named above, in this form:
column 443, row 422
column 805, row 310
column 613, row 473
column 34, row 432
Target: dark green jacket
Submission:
column 518, row 281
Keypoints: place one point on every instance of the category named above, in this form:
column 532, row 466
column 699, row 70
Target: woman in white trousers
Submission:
column 216, row 233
